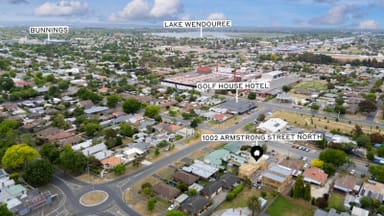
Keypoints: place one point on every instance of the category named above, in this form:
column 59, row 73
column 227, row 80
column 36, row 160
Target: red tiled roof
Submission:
column 316, row 174
column 204, row 69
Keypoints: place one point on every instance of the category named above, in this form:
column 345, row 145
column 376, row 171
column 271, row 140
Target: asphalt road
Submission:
column 117, row 186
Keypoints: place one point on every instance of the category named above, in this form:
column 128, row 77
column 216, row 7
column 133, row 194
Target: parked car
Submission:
column 171, row 207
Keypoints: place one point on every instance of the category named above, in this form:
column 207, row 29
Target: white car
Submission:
column 171, row 207
column 352, row 172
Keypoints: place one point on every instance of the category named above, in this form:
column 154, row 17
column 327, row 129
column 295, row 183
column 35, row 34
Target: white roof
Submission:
column 133, row 150
column 273, row 125
column 356, row 211
column 13, row 203
column 82, row 145
column 201, row 169
column 181, row 198
column 94, row 149
column 103, row 154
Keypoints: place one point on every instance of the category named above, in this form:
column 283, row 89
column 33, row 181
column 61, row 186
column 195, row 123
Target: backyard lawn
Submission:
column 287, row 207
column 336, row 201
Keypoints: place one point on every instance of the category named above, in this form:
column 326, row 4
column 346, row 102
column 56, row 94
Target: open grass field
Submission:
column 313, row 85
column 290, row 207
column 304, row 121
column 242, row 198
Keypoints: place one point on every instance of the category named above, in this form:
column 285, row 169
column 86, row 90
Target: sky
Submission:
column 338, row 14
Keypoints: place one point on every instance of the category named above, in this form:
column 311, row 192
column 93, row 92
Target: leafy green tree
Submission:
column 74, row 162
column 253, row 204
column 371, row 155
column 194, row 123
column 175, row 213
column 329, row 168
column 91, row 128
column 131, row 105
column 363, row 140
column 39, row 172
column 4, row 211
column 322, row 143
column 307, row 192
column 50, row 152
column 152, row 111
column 333, row 156
column 151, row 204
column 59, row 121
column 113, row 100
column 286, row 88
column 17, row 155
column 119, row 169
column 252, row 96
column 298, row 188
column 192, row 192
column 6, row 83
column 127, row 130
column 377, row 172
column 366, row 202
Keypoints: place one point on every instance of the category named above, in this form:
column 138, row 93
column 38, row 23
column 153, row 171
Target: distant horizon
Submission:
column 361, row 15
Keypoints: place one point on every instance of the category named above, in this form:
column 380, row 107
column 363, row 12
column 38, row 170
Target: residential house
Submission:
column 332, row 212
column 277, row 177
column 111, row 162
column 315, row 175
column 211, row 190
column 228, row 181
column 345, row 183
column 272, row 125
column 247, row 170
column 166, row 191
column 373, row 190
column 195, row 205
column 183, row 177
column 201, row 169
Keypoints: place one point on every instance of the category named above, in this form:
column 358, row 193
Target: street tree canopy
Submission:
column 39, row 172
column 16, row 155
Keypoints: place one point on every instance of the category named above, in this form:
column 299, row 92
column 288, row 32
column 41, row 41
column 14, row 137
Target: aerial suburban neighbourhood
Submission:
column 114, row 113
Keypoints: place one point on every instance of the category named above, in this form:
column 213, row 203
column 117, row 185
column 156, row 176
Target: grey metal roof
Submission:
column 95, row 109
column 274, row 177
column 281, row 170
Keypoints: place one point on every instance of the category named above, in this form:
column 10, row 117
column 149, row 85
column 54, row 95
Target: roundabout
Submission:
column 93, row 198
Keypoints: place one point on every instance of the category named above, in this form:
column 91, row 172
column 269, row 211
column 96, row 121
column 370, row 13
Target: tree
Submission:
column 307, row 192
column 59, row 121
column 91, row 128
column 317, row 163
column 329, row 168
column 366, row 202
column 333, row 156
column 367, row 106
column 152, row 111
column 174, row 213
column 119, row 169
column 157, row 152
column 261, row 117
column 322, row 143
column 74, row 162
column 17, row 155
column 131, row 105
column 253, row 204
column 298, row 188
column 286, row 88
column 363, row 140
column 39, row 172
column 252, row 96
column 4, row 211
column 50, row 152
column 377, row 172
column 371, row 155
column 112, row 100
column 315, row 106
column 194, row 123
column 127, row 130
column 376, row 138
column 151, row 204
column 192, row 192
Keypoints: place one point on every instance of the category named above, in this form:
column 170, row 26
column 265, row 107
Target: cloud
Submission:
column 134, row 10
column 140, row 10
column 368, row 24
column 216, row 16
column 337, row 15
column 164, row 8
column 62, row 8
column 14, row 1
